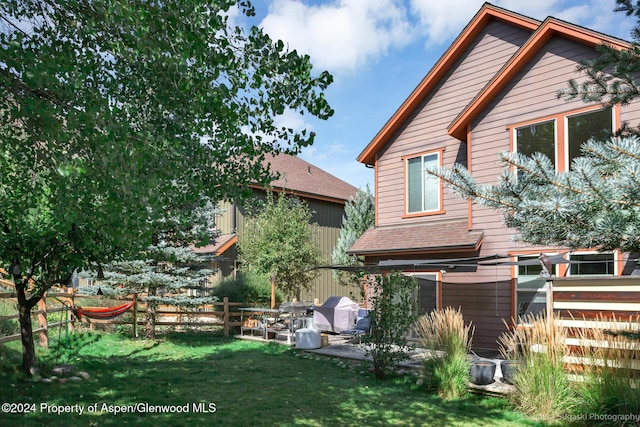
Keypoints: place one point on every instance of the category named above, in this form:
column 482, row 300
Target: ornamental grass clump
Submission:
column 446, row 371
column 610, row 375
column 542, row 386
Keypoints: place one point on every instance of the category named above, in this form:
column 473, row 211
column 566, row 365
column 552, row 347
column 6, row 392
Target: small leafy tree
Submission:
column 359, row 215
column 279, row 242
column 393, row 311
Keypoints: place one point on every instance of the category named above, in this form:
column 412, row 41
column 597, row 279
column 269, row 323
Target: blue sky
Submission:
column 379, row 50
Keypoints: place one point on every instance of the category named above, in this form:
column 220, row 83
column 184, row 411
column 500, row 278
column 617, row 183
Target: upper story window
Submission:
column 560, row 137
column 423, row 191
column 537, row 137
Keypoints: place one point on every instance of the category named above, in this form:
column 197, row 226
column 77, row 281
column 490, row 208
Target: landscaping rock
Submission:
column 84, row 375
column 62, row 370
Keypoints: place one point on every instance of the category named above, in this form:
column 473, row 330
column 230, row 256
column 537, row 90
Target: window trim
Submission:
column 440, row 209
column 561, row 130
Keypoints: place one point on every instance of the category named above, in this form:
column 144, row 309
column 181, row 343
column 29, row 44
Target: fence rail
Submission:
column 166, row 315
column 584, row 304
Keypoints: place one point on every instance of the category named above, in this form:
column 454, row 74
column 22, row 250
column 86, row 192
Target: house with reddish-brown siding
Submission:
column 494, row 90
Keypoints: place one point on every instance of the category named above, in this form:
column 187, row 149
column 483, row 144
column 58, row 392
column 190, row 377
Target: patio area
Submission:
column 350, row 349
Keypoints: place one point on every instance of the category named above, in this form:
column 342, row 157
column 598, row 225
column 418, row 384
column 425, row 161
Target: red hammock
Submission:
column 102, row 313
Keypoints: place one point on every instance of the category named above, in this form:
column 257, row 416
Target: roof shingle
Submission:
column 299, row 176
column 414, row 238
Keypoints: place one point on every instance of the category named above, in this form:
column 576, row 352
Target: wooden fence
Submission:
column 166, row 315
column 41, row 324
column 585, row 303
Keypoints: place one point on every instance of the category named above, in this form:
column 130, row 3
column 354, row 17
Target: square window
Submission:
column 595, row 264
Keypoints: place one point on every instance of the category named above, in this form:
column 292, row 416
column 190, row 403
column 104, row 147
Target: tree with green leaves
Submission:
column 280, row 242
column 117, row 114
column 359, row 216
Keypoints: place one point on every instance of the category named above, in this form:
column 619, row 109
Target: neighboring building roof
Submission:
column 549, row 28
column 440, row 236
column 306, row 180
column 222, row 243
column 487, row 13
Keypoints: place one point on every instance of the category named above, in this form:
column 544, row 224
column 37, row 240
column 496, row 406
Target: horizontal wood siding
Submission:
column 426, row 130
column 485, row 303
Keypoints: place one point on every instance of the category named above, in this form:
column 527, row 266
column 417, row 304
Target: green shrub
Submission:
column 542, row 386
column 393, row 313
column 250, row 289
column 446, row 371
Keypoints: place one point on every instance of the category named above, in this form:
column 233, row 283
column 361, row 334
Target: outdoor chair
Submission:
column 362, row 326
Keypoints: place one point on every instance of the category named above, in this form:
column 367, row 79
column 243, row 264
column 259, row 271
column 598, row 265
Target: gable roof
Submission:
column 485, row 15
column 549, row 28
column 306, row 180
column 220, row 245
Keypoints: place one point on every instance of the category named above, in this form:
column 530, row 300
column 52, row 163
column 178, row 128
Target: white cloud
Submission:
column 339, row 35
column 442, row 21
column 291, row 119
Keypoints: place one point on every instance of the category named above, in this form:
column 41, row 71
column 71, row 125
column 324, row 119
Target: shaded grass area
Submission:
column 250, row 383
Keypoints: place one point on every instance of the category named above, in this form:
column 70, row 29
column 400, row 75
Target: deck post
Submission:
column 226, row 316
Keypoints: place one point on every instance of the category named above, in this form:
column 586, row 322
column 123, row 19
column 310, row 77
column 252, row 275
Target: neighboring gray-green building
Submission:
column 325, row 195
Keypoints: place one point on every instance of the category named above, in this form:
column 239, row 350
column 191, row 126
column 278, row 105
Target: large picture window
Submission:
column 423, row 190
column 560, row 147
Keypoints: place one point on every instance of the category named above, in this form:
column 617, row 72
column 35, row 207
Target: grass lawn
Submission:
column 240, row 383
